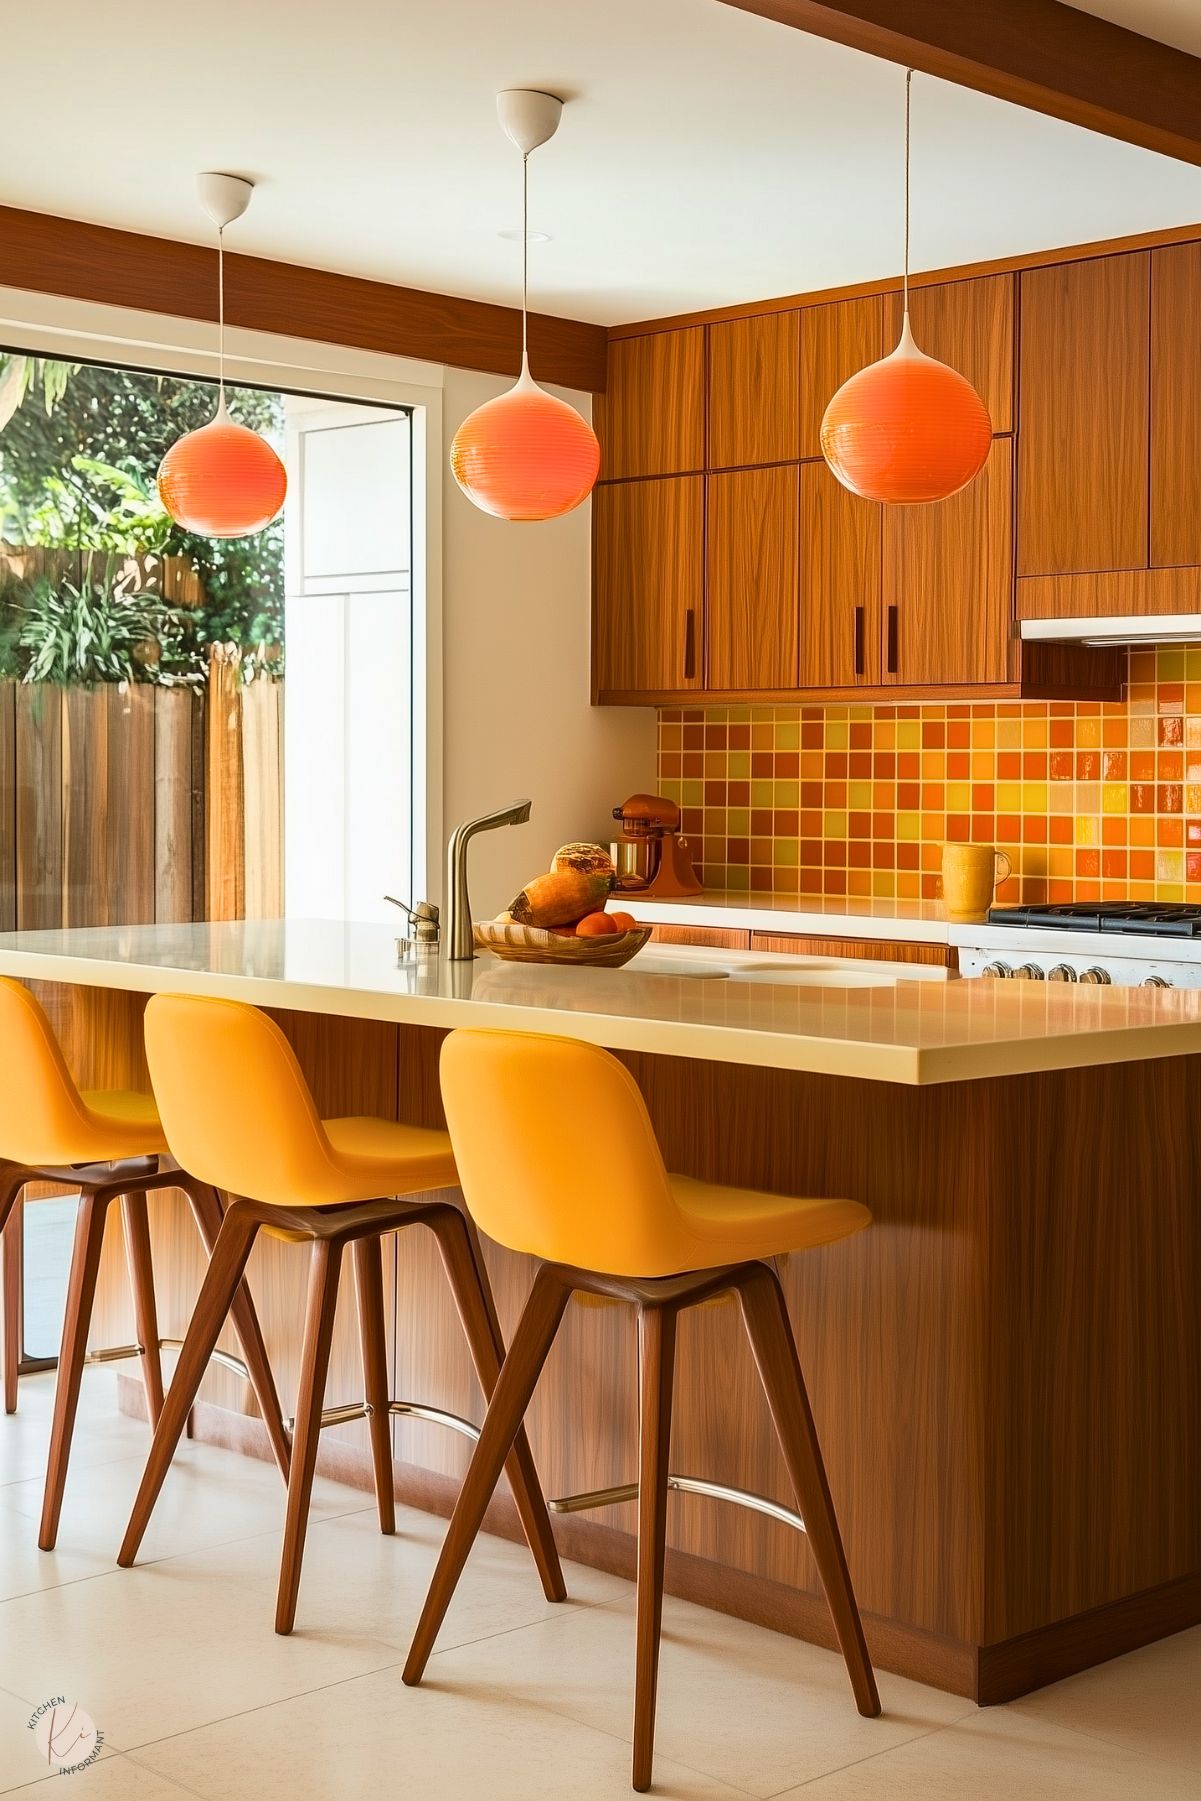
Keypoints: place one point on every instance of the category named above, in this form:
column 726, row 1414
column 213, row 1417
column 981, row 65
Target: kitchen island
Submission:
column 1004, row 1370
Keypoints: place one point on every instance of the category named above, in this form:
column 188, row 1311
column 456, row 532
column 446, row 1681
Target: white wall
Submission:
column 517, row 719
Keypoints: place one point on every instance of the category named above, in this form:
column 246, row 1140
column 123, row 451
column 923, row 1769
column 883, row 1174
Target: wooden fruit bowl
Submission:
column 530, row 944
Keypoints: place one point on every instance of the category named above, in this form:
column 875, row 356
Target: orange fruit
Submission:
column 625, row 922
column 595, row 925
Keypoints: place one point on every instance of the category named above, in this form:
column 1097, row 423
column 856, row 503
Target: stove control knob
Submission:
column 1062, row 972
column 999, row 970
column 1031, row 972
column 1156, row 982
column 1100, row 978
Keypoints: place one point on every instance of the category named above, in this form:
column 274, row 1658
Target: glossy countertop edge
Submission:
column 1004, row 1045
column 899, row 921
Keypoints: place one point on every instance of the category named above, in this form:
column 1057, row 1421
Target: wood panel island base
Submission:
column 1005, row 1370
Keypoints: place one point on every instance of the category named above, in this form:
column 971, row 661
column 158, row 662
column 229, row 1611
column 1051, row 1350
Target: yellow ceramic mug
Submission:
column 970, row 872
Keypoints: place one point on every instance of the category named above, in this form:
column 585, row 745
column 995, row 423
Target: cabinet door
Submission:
column 648, row 584
column 751, row 556
column 948, row 583
column 836, row 341
column 753, row 377
column 968, row 324
column 1176, row 406
column 839, row 583
column 651, row 418
column 876, row 950
column 1083, row 398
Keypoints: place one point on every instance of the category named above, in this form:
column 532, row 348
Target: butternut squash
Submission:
column 562, row 897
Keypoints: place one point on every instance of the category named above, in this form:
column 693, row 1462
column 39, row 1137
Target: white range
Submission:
column 1123, row 944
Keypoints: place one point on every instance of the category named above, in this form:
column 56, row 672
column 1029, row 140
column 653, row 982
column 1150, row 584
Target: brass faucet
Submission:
column 459, row 939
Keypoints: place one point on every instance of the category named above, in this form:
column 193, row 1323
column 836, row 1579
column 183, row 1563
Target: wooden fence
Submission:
column 132, row 803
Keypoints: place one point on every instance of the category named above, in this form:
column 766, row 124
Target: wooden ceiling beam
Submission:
column 160, row 275
column 1039, row 54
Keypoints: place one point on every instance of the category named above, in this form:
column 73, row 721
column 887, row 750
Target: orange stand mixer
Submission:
column 651, row 857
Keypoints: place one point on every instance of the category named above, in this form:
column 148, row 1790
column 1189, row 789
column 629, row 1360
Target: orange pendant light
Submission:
column 526, row 455
column 908, row 429
column 222, row 480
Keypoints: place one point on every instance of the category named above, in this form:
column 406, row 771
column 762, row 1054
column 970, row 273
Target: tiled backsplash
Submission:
column 1088, row 799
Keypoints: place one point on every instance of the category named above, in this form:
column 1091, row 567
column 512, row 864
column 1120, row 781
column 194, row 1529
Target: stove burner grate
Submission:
column 1149, row 919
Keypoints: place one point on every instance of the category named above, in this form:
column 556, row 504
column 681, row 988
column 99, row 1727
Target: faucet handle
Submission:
column 423, row 920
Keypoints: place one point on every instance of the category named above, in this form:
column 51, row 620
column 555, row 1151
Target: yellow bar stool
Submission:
column 109, row 1145
column 331, row 1183
column 526, row 1115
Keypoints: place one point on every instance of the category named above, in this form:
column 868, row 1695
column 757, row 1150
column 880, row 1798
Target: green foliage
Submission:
column 19, row 374
column 80, row 474
column 76, row 635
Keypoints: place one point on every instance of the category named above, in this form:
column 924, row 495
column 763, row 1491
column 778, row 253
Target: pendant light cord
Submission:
column 525, row 256
column 908, row 87
column 221, row 317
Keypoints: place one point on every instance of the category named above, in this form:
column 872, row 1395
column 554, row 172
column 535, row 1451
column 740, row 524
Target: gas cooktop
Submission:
column 1150, row 919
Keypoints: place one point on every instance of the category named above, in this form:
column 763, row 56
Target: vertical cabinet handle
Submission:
column 689, row 644
column 893, row 632
column 859, row 612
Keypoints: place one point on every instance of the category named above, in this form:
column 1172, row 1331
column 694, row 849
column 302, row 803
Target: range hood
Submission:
column 1125, row 628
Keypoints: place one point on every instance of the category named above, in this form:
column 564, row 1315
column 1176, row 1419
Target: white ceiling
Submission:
column 707, row 156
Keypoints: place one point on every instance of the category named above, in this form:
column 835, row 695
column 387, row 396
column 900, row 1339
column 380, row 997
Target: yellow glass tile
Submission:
column 959, row 797
column 861, row 712
column 1009, row 797
column 1036, row 733
column 1061, row 860
column 788, row 734
column 1060, row 798
column 691, row 794
column 1142, row 733
column 883, row 881
column 934, row 765
column 786, row 853
column 834, row 825
column 1192, row 797
column 787, row 794
column 1009, row 734
column 983, row 765
column 1115, row 797
column 859, row 796
column 739, row 819
column 884, row 734
column 738, row 765
column 738, row 715
column 1192, row 697
column 1034, row 797
column 1192, row 663
column 908, row 827
column 838, row 734
column 983, row 733
column 761, row 793
column 1087, row 829
column 1088, row 733
column 1169, row 665
column 909, row 734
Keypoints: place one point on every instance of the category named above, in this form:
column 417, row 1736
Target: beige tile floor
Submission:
column 196, row 1696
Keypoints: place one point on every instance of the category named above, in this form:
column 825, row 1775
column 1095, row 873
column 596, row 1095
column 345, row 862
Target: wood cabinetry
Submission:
column 840, row 618
column 876, row 950
column 1175, row 536
column 968, row 324
column 751, row 561
column 648, row 583
column 754, row 374
column 651, row 417
column 1083, row 438
column 948, row 583
column 836, row 341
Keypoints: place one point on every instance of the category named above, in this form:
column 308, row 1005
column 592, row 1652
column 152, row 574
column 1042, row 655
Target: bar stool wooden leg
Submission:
column 377, row 1388
column 472, row 1292
column 136, row 1224
column 324, row 1267
column 208, row 1213
column 11, row 1238
column 770, row 1332
column 81, row 1293
column 657, row 1349
column 518, row 1378
column 216, row 1296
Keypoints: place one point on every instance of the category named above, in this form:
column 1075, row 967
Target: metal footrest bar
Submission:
column 119, row 1353
column 415, row 1410
column 681, row 1485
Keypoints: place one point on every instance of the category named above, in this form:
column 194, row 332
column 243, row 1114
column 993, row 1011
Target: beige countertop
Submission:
column 812, row 915
column 876, row 1021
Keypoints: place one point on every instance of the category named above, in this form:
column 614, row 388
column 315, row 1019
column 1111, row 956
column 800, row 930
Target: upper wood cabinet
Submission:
column 948, row 578
column 648, row 585
column 968, row 324
column 1175, row 406
column 651, row 418
column 751, row 557
column 1083, row 426
column 840, row 619
column 836, row 340
column 754, row 366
